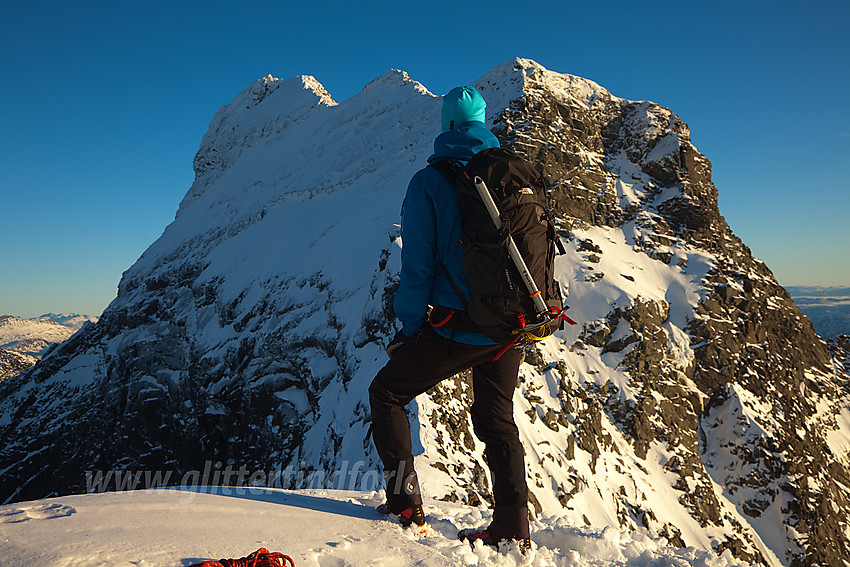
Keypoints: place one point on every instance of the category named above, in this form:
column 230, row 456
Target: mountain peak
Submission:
column 396, row 78
column 265, row 107
column 528, row 76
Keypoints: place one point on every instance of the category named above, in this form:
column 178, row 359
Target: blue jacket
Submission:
column 430, row 229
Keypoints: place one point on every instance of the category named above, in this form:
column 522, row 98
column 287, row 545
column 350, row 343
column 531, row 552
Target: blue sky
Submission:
column 104, row 105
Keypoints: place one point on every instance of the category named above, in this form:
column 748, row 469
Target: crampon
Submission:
column 412, row 518
column 482, row 535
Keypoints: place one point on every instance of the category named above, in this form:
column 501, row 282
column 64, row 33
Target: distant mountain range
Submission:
column 828, row 308
column 24, row 341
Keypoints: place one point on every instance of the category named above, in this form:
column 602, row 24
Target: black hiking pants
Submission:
column 417, row 367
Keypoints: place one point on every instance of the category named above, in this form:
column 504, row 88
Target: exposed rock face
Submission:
column 13, row 363
column 752, row 347
column 694, row 400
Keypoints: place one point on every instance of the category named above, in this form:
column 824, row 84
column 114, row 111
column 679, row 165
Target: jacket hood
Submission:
column 463, row 142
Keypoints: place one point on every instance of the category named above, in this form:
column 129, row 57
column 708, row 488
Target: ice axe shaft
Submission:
column 513, row 251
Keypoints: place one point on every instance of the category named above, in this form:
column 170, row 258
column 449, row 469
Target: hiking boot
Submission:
column 412, row 516
column 483, row 535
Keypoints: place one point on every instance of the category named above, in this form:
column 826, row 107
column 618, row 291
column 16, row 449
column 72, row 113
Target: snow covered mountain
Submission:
column 694, row 400
column 24, row 341
column 34, row 336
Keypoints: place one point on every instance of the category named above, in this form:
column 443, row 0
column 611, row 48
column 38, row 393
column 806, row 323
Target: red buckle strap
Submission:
column 567, row 319
column 561, row 314
column 443, row 322
column 510, row 344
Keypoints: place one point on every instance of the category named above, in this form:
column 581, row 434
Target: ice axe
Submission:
column 544, row 314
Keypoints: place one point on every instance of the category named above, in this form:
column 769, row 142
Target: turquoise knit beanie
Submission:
column 462, row 104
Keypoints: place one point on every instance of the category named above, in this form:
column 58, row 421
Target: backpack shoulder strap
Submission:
column 455, row 287
column 450, row 169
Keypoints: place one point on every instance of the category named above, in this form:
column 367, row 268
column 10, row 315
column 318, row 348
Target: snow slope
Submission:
column 318, row 528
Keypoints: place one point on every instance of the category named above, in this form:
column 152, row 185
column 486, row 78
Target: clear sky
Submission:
column 104, row 104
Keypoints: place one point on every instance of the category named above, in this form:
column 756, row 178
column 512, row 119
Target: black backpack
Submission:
column 500, row 305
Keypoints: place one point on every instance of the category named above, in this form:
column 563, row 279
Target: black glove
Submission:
column 399, row 340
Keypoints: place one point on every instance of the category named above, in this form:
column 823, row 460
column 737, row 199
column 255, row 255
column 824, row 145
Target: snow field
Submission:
column 321, row 528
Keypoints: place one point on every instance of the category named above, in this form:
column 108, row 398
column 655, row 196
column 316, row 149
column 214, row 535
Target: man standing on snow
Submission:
column 422, row 355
